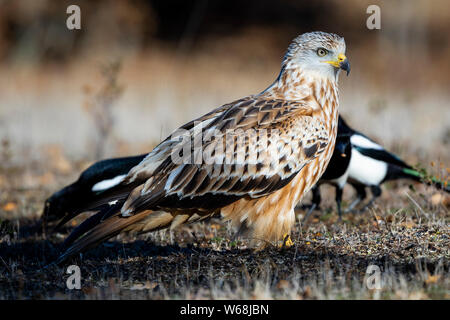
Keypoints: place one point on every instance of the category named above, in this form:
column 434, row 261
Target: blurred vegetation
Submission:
column 99, row 105
column 35, row 31
column 182, row 58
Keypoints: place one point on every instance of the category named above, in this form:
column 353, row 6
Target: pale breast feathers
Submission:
column 250, row 148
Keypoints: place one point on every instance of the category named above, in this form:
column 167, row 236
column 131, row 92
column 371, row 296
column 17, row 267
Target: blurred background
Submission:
column 138, row 69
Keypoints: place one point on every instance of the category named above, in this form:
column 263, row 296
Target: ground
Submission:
column 405, row 234
column 69, row 98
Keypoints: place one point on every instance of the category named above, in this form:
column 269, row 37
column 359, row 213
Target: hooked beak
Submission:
column 341, row 63
column 345, row 65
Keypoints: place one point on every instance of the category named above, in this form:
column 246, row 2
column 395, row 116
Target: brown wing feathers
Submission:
column 204, row 188
column 100, row 232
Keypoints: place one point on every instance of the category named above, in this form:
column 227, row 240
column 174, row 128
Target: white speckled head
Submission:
column 318, row 53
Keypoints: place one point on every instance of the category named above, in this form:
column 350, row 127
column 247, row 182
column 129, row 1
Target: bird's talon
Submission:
column 287, row 242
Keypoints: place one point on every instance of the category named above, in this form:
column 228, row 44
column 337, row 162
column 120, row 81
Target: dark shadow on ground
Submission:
column 168, row 269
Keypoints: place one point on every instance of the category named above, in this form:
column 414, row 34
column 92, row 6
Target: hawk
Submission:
column 250, row 160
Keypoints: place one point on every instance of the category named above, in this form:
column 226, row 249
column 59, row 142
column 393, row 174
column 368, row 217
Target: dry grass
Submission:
column 406, row 235
column 48, row 138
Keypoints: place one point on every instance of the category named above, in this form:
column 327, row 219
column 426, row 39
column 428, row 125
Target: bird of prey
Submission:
column 362, row 163
column 250, row 160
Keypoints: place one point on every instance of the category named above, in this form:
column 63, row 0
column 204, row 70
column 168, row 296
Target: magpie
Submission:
column 92, row 182
column 361, row 162
column 337, row 171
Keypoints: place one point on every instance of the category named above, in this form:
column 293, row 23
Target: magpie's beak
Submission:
column 340, row 148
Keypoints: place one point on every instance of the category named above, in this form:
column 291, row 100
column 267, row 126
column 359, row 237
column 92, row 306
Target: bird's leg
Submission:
column 353, row 205
column 338, row 201
column 317, row 199
column 315, row 204
column 360, row 196
column 376, row 192
column 312, row 207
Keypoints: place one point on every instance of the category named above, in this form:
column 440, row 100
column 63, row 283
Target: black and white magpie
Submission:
column 362, row 163
column 95, row 180
column 338, row 169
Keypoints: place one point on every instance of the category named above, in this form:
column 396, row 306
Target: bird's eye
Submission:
column 322, row 52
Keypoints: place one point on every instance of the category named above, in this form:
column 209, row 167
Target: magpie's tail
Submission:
column 397, row 172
